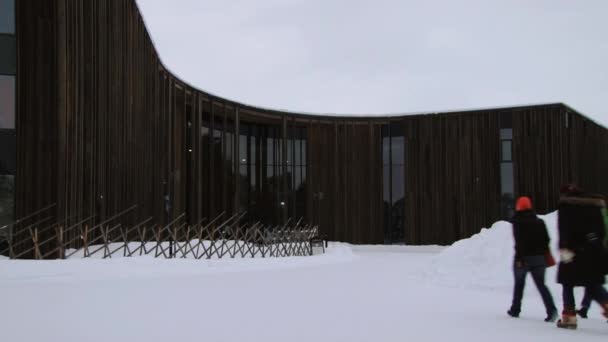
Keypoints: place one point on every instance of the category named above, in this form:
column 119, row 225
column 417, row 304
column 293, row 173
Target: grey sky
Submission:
column 388, row 56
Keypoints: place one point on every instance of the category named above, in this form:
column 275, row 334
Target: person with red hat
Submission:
column 531, row 245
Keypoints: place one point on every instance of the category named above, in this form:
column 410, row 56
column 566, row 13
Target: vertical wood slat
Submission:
column 99, row 129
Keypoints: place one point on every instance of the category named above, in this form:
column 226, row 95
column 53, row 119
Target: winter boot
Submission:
column 551, row 317
column 605, row 307
column 568, row 321
column 513, row 313
column 582, row 312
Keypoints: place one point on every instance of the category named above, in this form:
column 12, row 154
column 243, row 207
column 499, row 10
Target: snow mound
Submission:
column 485, row 259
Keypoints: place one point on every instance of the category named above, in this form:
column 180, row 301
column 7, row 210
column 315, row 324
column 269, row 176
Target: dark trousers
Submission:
column 538, row 275
column 592, row 292
column 586, row 302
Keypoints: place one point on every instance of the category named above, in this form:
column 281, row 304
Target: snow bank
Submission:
column 485, row 259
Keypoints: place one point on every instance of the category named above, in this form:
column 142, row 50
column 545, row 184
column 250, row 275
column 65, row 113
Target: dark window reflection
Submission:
column 393, row 160
column 8, row 68
column 7, row 204
column 7, row 152
column 386, row 185
column 229, row 186
column 8, row 53
column 506, row 150
column 506, row 134
column 219, row 171
column 506, row 120
column 398, row 182
column 261, row 173
column 205, row 160
column 7, row 178
column 398, row 150
column 507, row 183
column 7, row 102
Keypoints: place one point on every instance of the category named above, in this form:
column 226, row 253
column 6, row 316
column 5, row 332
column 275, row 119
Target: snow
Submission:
column 481, row 260
column 351, row 293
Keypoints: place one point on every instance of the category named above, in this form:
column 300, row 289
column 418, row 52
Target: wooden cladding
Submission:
column 102, row 126
column 554, row 145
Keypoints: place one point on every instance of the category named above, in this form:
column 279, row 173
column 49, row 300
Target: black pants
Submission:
column 586, row 302
column 537, row 270
column 595, row 292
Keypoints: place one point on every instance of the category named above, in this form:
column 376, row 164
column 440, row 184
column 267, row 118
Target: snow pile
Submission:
column 485, row 259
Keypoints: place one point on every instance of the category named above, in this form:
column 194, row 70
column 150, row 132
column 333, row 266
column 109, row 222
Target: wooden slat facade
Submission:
column 102, row 125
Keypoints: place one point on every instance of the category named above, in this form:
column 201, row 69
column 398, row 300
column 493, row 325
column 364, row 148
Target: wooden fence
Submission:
column 221, row 237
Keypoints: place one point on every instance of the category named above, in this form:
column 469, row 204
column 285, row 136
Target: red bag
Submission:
column 549, row 258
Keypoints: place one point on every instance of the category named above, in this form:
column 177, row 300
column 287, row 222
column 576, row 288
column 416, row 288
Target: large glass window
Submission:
column 296, row 167
column 8, row 70
column 244, row 164
column 393, row 170
column 218, row 149
column 507, row 184
column 260, row 172
column 205, row 161
column 229, row 184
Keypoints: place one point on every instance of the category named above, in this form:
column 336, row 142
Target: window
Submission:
column 7, row 16
column 8, row 53
column 393, row 170
column 8, row 69
column 7, row 194
column 7, row 152
column 7, row 102
column 260, row 173
column 7, row 175
column 506, row 150
column 507, row 183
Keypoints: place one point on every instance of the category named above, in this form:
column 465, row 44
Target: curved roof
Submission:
column 160, row 24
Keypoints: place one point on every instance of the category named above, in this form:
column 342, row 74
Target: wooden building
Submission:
column 98, row 124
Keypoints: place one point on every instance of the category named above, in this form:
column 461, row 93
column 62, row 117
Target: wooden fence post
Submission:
column 37, row 254
column 85, row 240
column 61, row 252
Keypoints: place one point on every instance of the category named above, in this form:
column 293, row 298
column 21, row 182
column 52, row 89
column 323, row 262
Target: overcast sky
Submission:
column 388, row 56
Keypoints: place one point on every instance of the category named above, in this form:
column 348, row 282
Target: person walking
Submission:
column 582, row 253
column 531, row 246
column 585, row 304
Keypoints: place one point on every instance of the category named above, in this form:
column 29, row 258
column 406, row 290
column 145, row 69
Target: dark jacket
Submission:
column 530, row 233
column 581, row 230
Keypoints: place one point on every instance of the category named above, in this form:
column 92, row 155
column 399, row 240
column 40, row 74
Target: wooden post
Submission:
column 143, row 241
column 60, row 248
column 106, row 241
column 85, row 240
column 36, row 246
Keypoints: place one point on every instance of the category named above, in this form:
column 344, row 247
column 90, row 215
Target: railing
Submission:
column 222, row 237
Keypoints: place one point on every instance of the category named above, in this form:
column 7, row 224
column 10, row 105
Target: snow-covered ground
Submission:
column 352, row 293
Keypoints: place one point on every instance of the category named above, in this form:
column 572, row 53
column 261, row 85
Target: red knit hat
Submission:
column 523, row 203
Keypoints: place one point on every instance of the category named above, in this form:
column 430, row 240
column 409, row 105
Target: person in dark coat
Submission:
column 581, row 244
column 531, row 244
